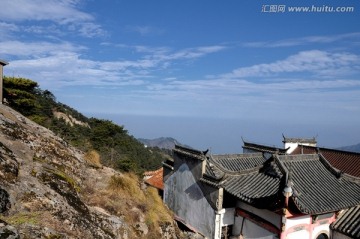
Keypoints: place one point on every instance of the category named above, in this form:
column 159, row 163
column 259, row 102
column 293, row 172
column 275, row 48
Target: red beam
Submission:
column 258, row 221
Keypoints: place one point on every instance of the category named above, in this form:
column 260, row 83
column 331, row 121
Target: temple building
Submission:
column 264, row 194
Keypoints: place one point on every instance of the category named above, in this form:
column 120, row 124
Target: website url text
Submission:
column 310, row 9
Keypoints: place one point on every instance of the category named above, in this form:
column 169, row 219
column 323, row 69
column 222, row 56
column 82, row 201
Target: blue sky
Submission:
column 204, row 72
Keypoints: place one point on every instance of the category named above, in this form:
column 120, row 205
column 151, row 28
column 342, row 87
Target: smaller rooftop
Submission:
column 347, row 162
column 155, row 178
column 3, row 62
column 348, row 223
column 191, row 153
column 300, row 140
column 263, row 148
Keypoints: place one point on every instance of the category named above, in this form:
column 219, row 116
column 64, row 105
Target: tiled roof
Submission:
column 317, row 187
column 252, row 188
column 348, row 223
column 192, row 153
column 156, row 179
column 152, row 173
column 299, row 140
column 238, row 162
column 264, row 148
column 213, row 172
column 217, row 166
column 347, row 162
column 3, row 63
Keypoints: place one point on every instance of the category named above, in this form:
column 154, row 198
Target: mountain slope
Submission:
column 49, row 190
column 352, row 148
column 116, row 148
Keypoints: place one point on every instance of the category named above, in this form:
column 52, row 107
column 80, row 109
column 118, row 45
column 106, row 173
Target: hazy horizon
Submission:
column 227, row 135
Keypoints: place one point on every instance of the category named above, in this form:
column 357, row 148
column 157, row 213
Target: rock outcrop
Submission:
column 46, row 188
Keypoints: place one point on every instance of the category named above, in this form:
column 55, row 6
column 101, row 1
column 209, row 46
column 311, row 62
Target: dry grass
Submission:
column 157, row 212
column 124, row 197
column 93, row 159
column 127, row 185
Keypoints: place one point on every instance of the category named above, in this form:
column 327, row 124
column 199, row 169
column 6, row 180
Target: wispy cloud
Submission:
column 303, row 41
column 164, row 53
column 145, row 30
column 240, row 97
column 42, row 60
column 192, row 53
column 7, row 30
column 320, row 77
column 319, row 63
column 244, row 88
column 76, row 71
column 61, row 12
column 36, row 50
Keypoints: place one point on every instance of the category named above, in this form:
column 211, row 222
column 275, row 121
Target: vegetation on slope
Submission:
column 49, row 189
column 116, row 148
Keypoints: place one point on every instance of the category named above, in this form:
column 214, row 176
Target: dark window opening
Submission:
column 226, row 232
column 322, row 236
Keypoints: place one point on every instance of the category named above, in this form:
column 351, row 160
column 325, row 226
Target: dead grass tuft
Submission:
column 124, row 197
column 157, row 212
column 93, row 159
column 127, row 185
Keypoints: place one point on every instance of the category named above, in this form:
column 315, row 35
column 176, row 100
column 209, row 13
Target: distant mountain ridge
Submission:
column 162, row 142
column 352, row 148
column 169, row 143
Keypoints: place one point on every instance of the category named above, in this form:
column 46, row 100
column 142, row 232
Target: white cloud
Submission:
column 320, row 63
column 166, row 53
column 191, row 53
column 68, row 68
column 304, row 40
column 62, row 12
column 7, row 30
column 242, row 88
column 145, row 30
column 35, row 49
column 64, row 63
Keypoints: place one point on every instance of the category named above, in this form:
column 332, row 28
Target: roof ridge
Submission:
column 239, row 155
column 190, row 152
column 264, row 147
column 338, row 173
column 330, row 149
column 298, row 157
column 233, row 173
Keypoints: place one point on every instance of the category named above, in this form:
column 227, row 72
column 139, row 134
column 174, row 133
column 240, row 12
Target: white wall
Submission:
column 185, row 198
column 269, row 216
column 250, row 230
column 325, row 228
column 290, row 222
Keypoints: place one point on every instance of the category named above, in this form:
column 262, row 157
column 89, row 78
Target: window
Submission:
column 322, row 236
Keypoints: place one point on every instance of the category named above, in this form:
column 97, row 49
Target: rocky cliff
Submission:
column 49, row 190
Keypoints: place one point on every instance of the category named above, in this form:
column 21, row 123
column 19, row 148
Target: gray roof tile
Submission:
column 317, row 187
column 348, row 223
column 237, row 162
